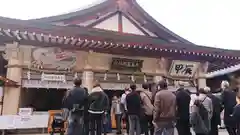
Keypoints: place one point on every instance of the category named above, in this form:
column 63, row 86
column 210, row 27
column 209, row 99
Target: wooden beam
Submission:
column 102, row 19
column 135, row 24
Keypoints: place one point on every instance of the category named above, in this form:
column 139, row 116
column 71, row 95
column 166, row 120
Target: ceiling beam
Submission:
column 102, row 19
column 136, row 25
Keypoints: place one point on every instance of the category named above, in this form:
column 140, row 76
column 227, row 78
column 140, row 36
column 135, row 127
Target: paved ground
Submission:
column 221, row 132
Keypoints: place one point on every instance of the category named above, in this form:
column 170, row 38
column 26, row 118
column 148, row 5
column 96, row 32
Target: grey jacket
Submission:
column 197, row 122
column 199, row 125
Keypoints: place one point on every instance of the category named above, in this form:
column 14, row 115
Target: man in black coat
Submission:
column 98, row 107
column 75, row 101
column 229, row 101
column 183, row 101
column 216, row 117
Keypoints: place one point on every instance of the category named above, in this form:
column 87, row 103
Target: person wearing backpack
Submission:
column 217, row 108
column 75, row 101
column 147, row 109
column 200, row 117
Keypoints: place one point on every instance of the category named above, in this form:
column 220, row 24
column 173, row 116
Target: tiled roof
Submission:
column 223, row 71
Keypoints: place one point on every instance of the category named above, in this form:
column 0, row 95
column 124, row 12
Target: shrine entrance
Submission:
column 42, row 99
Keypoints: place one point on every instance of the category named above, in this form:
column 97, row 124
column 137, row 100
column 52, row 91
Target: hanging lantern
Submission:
column 42, row 76
column 29, row 75
column 145, row 78
column 76, row 75
column 118, row 76
column 64, row 80
column 105, row 76
column 132, row 78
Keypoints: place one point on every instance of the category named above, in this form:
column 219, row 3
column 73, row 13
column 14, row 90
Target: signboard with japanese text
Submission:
column 185, row 69
column 53, row 77
column 127, row 64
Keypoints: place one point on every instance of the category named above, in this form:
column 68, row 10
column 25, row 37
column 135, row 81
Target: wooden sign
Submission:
column 185, row 69
column 126, row 64
column 53, row 77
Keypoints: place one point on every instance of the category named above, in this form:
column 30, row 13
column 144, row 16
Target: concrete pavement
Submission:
column 221, row 132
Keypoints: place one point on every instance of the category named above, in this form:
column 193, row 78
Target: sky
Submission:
column 214, row 23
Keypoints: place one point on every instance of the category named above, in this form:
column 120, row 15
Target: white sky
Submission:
column 213, row 23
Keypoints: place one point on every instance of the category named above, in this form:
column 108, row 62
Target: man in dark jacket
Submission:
column 229, row 101
column 216, row 119
column 236, row 116
column 98, row 106
column 75, row 101
column 133, row 101
column 183, row 100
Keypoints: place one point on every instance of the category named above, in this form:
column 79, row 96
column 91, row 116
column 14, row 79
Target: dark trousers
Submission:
column 75, row 125
column 118, row 118
column 231, row 129
column 127, row 121
column 214, row 129
column 86, row 124
column 183, row 127
column 200, row 134
column 96, row 123
column 147, row 125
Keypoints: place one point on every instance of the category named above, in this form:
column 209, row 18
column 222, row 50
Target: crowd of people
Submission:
column 152, row 109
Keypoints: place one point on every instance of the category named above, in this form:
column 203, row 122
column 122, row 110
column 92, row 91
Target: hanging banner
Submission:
column 53, row 77
column 183, row 68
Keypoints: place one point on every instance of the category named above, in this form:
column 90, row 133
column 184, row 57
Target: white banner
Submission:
column 47, row 84
column 117, row 86
column 53, row 77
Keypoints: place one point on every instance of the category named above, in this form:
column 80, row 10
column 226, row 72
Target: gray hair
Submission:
column 225, row 84
column 206, row 89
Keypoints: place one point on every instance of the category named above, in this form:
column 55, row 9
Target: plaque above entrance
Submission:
column 132, row 65
column 185, row 69
column 53, row 77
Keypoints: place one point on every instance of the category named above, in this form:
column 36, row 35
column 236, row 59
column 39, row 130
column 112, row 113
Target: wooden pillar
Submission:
column 14, row 72
column 202, row 70
column 161, row 69
column 87, row 79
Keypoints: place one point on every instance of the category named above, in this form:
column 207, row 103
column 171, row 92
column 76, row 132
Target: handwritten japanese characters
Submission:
column 183, row 68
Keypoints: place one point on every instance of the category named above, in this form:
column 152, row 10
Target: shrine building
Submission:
column 114, row 41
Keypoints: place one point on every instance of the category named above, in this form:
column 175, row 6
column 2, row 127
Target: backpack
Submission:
column 142, row 102
column 199, row 119
column 202, row 110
